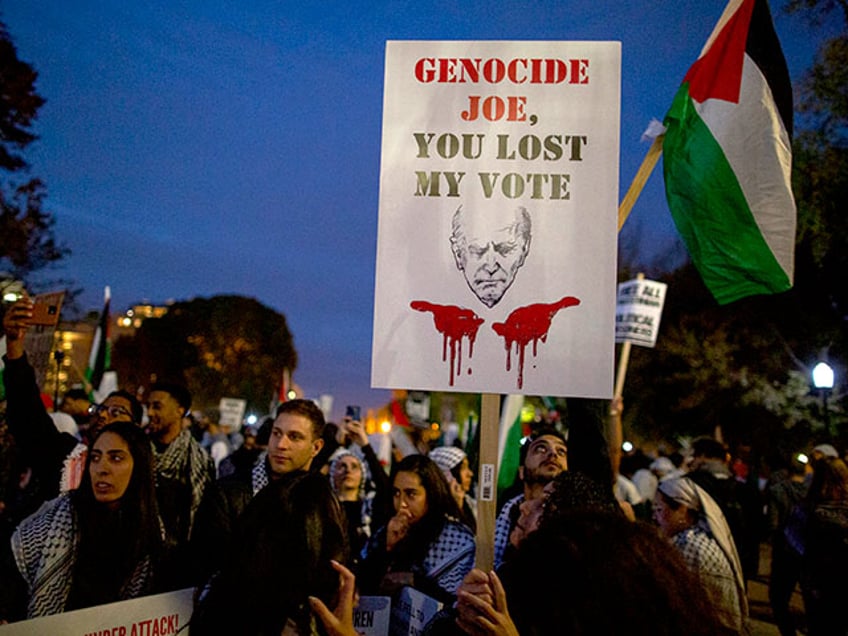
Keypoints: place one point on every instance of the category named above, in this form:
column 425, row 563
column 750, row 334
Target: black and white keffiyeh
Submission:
column 451, row 556
column 45, row 547
column 171, row 463
column 259, row 475
column 711, row 519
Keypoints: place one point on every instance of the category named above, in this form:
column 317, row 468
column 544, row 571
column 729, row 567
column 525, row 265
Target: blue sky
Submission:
column 202, row 147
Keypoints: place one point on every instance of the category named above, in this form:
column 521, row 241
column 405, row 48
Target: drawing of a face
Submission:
column 489, row 249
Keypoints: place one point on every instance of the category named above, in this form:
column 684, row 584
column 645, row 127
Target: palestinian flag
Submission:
column 509, row 441
column 99, row 358
column 728, row 158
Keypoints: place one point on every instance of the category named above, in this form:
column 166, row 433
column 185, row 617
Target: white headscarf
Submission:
column 686, row 492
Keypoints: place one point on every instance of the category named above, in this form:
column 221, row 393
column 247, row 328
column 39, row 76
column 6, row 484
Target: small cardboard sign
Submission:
column 411, row 611
column 371, row 616
column 638, row 311
column 158, row 615
column 232, row 412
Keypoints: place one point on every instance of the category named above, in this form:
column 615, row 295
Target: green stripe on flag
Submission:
column 710, row 210
column 508, row 469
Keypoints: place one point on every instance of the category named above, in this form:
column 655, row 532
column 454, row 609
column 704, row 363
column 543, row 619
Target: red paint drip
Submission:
column 526, row 324
column 454, row 323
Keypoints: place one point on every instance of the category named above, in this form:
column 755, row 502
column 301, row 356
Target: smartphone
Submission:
column 46, row 309
column 353, row 412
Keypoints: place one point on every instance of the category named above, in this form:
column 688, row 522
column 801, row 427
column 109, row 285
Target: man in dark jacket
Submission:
column 295, row 440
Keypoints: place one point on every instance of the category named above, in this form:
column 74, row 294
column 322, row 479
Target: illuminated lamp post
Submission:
column 823, row 382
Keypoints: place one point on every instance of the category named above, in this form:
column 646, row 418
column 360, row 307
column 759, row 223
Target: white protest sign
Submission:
column 232, row 412
column 372, row 615
column 158, row 615
column 638, row 313
column 496, row 254
column 411, row 611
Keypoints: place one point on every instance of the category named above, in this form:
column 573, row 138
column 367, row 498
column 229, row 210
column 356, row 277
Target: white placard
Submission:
column 638, row 313
column 372, row 615
column 411, row 611
column 158, row 615
column 496, row 255
column 232, row 412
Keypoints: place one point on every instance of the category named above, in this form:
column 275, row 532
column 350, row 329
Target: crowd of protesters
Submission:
column 289, row 521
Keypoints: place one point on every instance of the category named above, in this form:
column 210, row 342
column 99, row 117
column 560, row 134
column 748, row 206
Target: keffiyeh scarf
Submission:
column 451, row 556
column 45, row 546
column 171, row 463
column 259, row 474
column 711, row 518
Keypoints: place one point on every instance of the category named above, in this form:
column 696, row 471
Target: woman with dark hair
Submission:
column 825, row 558
column 590, row 571
column 423, row 545
column 456, row 469
column 97, row 544
column 284, row 547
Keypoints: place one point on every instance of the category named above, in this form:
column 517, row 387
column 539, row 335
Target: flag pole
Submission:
column 639, row 181
column 487, row 481
column 614, row 429
column 490, row 403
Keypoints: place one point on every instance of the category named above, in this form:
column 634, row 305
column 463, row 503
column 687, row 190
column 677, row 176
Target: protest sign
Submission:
column 496, row 255
column 232, row 412
column 158, row 615
column 371, row 615
column 411, row 611
column 638, row 312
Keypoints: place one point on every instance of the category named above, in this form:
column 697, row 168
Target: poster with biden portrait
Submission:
column 496, row 249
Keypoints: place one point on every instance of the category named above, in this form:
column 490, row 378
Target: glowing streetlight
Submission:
column 823, row 382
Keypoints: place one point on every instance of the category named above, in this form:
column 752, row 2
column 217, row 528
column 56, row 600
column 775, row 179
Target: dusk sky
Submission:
column 196, row 148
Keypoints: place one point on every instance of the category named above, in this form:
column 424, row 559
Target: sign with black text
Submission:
column 638, row 312
column 496, row 252
column 158, row 615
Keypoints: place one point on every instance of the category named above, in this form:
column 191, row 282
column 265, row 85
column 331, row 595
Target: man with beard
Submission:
column 542, row 457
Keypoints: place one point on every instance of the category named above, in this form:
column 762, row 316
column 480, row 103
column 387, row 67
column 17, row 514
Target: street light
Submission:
column 823, row 381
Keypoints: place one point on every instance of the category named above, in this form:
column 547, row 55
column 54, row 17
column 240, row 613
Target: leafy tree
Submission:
column 225, row 346
column 26, row 227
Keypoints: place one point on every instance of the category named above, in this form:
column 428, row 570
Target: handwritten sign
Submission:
column 496, row 255
column 638, row 313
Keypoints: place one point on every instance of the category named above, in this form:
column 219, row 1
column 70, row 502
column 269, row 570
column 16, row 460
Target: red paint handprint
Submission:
column 529, row 323
column 454, row 323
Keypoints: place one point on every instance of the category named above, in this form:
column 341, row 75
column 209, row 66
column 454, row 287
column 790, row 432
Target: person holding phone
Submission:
column 360, row 483
column 56, row 458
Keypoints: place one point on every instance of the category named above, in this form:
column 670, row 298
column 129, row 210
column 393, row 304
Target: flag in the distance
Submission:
column 728, row 158
column 99, row 358
column 509, row 441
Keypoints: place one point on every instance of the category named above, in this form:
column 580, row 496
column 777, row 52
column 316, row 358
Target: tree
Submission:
column 26, row 227
column 225, row 346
